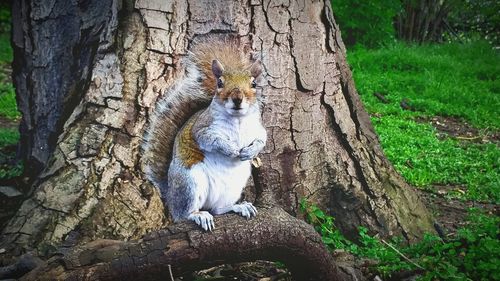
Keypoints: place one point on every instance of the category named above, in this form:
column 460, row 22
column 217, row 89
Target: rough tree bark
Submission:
column 88, row 74
column 185, row 248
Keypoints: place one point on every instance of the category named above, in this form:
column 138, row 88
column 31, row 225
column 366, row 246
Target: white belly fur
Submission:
column 220, row 180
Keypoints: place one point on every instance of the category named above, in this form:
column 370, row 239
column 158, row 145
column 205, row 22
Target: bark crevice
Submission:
column 354, row 159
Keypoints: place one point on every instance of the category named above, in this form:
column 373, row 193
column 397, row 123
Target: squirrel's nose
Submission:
column 237, row 101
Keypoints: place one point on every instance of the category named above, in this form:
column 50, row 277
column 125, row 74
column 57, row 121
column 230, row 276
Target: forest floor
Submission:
column 451, row 212
column 436, row 109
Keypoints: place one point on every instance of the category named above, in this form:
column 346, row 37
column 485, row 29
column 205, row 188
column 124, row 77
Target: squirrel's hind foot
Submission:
column 245, row 209
column 203, row 219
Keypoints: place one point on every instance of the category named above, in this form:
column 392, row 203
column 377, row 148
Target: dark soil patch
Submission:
column 8, row 152
column 460, row 130
column 5, row 73
column 249, row 271
column 8, row 155
column 8, row 123
column 451, row 214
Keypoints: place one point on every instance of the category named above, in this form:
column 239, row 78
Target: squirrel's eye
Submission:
column 254, row 84
column 220, row 84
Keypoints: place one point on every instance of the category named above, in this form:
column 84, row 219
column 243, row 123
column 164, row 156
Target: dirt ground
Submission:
column 451, row 127
column 8, row 123
column 450, row 214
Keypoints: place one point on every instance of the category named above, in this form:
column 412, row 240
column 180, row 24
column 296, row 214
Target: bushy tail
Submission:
column 184, row 98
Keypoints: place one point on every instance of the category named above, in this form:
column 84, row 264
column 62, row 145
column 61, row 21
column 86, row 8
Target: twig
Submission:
column 381, row 97
column 170, row 271
column 406, row 105
column 468, row 138
column 402, row 255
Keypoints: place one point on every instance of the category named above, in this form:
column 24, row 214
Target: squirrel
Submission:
column 212, row 152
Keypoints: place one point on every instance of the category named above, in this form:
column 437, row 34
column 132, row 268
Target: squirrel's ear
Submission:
column 217, row 68
column 256, row 69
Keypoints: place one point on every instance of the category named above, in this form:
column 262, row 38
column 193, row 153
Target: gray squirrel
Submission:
column 213, row 150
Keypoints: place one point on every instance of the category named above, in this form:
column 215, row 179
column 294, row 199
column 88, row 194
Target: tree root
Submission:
column 180, row 248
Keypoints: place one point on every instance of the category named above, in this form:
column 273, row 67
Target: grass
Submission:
column 423, row 159
column 8, row 139
column 5, row 48
column 8, row 136
column 8, row 108
column 469, row 254
column 459, row 80
column 446, row 80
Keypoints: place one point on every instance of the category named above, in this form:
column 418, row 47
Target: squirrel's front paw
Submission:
column 245, row 209
column 249, row 152
column 231, row 151
column 203, row 219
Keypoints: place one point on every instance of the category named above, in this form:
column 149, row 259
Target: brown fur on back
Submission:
column 188, row 150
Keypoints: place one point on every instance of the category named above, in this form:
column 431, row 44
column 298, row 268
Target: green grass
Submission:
column 446, row 80
column 5, row 48
column 8, row 136
column 8, row 106
column 469, row 254
column 423, row 159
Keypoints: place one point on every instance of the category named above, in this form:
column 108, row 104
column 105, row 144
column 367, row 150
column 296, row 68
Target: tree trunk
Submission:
column 88, row 73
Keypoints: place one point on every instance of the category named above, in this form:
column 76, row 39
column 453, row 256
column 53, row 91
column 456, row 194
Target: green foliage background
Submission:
column 477, row 19
column 369, row 23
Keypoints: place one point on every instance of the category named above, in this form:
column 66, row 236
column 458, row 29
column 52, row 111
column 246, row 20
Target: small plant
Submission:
column 9, row 171
column 323, row 224
column 471, row 254
column 8, row 141
column 8, row 105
